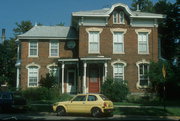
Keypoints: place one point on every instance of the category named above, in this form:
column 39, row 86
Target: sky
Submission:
column 47, row 12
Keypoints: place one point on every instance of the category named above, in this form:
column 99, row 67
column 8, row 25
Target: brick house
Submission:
column 112, row 42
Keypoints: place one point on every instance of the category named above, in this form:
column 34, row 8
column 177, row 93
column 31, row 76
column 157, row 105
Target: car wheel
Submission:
column 96, row 112
column 60, row 111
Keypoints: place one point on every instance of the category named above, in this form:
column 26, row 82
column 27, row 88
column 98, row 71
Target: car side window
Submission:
column 92, row 98
column 80, row 98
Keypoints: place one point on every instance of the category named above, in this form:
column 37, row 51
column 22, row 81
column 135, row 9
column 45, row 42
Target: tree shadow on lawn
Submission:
column 142, row 111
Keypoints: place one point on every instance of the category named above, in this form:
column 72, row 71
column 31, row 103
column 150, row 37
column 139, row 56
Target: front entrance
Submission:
column 71, row 81
column 94, row 79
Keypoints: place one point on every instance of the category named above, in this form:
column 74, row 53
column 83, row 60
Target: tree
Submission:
column 22, row 27
column 144, row 5
column 48, row 81
column 156, row 76
column 8, row 61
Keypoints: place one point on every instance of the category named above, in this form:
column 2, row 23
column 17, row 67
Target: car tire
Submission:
column 96, row 112
column 60, row 111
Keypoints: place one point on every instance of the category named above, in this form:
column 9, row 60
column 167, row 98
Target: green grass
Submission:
column 159, row 111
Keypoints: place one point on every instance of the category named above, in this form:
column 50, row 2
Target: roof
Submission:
column 50, row 32
column 105, row 12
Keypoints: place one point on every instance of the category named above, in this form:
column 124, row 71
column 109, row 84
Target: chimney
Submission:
column 3, row 37
column 137, row 7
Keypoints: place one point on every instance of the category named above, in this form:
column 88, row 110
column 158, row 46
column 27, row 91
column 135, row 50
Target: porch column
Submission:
column 84, row 78
column 105, row 71
column 63, row 77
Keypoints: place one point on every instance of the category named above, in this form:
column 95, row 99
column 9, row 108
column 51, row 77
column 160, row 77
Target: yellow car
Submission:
column 94, row 104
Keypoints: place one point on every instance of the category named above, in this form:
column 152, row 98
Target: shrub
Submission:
column 41, row 93
column 115, row 90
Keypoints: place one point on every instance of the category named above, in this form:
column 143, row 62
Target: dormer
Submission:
column 120, row 12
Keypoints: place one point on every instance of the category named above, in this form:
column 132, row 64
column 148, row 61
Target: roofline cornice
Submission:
column 61, row 38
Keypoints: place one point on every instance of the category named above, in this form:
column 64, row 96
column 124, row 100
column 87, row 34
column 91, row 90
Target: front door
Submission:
column 71, row 81
column 94, row 79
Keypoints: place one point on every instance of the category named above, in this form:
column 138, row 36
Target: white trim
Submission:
column 94, row 29
column 148, row 31
column 71, row 70
column 38, row 67
column 33, row 64
column 37, row 44
column 49, row 38
column 119, row 62
column 53, row 64
column 50, row 42
column 98, row 59
column 123, row 31
column 98, row 42
column 143, row 30
column 66, row 60
column 143, row 61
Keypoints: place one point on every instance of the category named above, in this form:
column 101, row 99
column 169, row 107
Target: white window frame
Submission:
column 50, row 48
column 118, row 17
column 120, row 30
column 118, row 42
column 143, row 42
column 90, row 42
column 28, row 68
column 30, row 42
column 123, row 63
column 147, row 31
column 139, row 75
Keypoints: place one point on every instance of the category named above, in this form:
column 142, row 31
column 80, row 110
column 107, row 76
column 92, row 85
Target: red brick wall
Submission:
column 43, row 58
column 131, row 55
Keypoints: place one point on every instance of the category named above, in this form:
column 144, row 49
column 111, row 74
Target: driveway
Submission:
column 52, row 116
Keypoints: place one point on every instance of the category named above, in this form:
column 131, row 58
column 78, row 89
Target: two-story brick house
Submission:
column 111, row 42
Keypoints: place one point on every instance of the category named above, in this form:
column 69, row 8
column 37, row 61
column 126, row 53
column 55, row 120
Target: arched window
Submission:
column 118, row 17
column 143, row 79
column 118, row 70
column 33, row 73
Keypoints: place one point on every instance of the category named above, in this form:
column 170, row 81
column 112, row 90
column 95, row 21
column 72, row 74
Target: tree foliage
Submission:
column 115, row 90
column 48, row 81
column 8, row 61
column 144, row 5
column 22, row 27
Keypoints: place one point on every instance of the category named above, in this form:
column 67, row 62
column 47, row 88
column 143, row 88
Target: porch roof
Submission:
column 95, row 59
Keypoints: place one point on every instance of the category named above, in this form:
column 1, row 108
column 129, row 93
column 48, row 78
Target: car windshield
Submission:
column 103, row 97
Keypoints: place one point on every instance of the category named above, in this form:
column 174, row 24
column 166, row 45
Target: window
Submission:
column 80, row 98
column 143, row 43
column 32, row 76
column 143, row 78
column 93, row 42
column 53, row 70
column 54, row 48
column 118, row 71
column 118, row 42
column 33, row 48
column 118, row 17
column 92, row 98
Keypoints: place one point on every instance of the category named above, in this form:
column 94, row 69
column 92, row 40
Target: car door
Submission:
column 91, row 102
column 77, row 104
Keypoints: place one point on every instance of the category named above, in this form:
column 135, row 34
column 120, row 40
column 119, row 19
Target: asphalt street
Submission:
column 52, row 116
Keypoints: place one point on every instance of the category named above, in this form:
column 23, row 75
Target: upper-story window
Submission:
column 54, row 48
column 33, row 76
column 118, row 17
column 143, row 43
column 94, row 46
column 118, row 42
column 33, row 49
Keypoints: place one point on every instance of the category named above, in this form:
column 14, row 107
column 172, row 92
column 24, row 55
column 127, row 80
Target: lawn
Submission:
column 159, row 111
